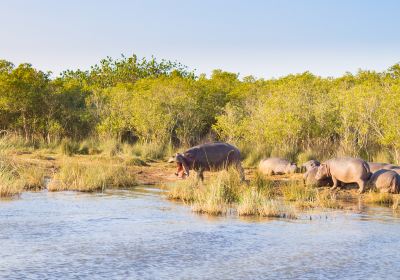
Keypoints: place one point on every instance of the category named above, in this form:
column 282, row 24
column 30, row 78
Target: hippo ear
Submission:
column 188, row 155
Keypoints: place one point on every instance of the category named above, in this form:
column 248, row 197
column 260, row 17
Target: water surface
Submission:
column 140, row 235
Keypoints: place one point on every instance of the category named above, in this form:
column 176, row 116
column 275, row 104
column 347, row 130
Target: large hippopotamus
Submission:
column 310, row 165
column 345, row 170
column 208, row 157
column 278, row 166
column 310, row 180
column 375, row 166
column 385, row 180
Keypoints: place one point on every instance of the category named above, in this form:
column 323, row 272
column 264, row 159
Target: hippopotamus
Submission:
column 309, row 179
column 278, row 166
column 375, row 166
column 310, row 165
column 345, row 170
column 208, row 157
column 385, row 180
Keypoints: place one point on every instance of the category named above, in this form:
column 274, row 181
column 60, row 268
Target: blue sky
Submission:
column 261, row 38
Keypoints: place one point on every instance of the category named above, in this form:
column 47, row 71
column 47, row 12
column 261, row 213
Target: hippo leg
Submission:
column 200, row 175
column 361, row 185
column 335, row 183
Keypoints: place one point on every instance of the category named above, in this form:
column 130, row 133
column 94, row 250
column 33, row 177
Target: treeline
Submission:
column 162, row 102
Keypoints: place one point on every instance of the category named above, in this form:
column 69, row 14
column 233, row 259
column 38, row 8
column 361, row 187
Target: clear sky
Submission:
column 261, row 38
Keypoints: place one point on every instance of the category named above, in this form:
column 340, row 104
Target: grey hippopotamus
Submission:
column 310, row 164
column 345, row 170
column 375, row 166
column 309, row 179
column 278, row 166
column 208, row 157
column 385, row 180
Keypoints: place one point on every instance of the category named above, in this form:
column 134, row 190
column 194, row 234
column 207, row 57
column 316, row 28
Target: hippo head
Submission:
column 182, row 164
column 310, row 165
column 322, row 172
column 291, row 168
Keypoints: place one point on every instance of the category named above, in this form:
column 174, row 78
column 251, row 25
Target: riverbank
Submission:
column 268, row 196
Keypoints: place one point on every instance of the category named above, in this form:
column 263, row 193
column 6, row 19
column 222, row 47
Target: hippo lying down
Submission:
column 345, row 170
column 208, row 157
column 276, row 166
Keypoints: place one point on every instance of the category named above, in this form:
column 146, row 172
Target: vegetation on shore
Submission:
column 160, row 105
column 260, row 196
column 89, row 177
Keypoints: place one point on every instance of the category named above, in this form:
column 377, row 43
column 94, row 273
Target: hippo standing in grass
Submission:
column 375, row 166
column 345, row 170
column 385, row 180
column 208, row 157
column 277, row 166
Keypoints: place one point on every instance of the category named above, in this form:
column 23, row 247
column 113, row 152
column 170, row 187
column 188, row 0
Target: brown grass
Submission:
column 89, row 177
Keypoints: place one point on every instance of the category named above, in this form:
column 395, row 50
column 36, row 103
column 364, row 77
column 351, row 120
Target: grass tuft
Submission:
column 95, row 176
column 10, row 182
column 379, row 198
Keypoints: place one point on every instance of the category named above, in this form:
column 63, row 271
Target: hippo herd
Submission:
column 337, row 171
column 333, row 172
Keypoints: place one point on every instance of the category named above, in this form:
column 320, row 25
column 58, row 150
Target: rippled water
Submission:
column 139, row 235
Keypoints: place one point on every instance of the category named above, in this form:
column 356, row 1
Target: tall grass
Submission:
column 95, row 176
column 10, row 182
column 373, row 197
column 212, row 200
column 254, row 203
column 184, row 190
column 32, row 176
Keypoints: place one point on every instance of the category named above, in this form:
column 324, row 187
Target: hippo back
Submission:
column 274, row 165
column 215, row 155
column 349, row 170
column 385, row 180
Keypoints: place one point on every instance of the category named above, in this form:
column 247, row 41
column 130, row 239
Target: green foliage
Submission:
column 160, row 104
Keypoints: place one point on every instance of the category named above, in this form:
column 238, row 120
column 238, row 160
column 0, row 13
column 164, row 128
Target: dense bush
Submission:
column 161, row 104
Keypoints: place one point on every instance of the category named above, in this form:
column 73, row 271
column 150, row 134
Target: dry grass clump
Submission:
column 294, row 191
column 266, row 187
column 215, row 197
column 211, row 201
column 184, row 190
column 379, row 198
column 32, row 176
column 254, row 203
column 10, row 182
column 327, row 200
column 95, row 176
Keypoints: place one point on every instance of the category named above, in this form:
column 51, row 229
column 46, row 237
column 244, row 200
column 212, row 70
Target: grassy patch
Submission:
column 10, row 182
column 95, row 176
column 254, row 203
column 32, row 176
column 295, row 191
column 379, row 198
column 184, row 190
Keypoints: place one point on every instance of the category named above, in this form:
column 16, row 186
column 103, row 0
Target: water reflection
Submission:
column 139, row 235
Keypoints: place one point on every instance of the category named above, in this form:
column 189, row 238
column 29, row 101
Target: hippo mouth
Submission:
column 180, row 171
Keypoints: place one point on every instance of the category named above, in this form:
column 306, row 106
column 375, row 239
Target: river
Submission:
column 138, row 234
